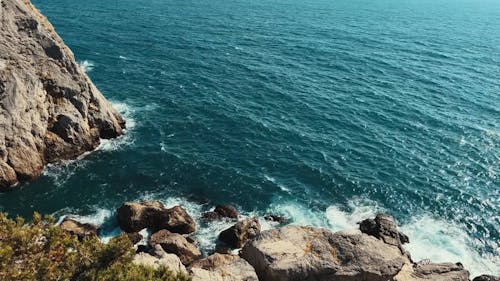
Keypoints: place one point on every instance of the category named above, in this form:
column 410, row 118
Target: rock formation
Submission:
column 177, row 244
column 220, row 212
column 49, row 108
column 219, row 267
column 237, row 235
column 305, row 253
column 134, row 216
column 158, row 257
column 77, row 228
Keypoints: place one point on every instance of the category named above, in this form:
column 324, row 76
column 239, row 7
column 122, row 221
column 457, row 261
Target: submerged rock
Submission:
column 50, row 110
column 220, row 212
column 237, row 235
column 135, row 216
column 218, row 267
column 177, row 244
column 275, row 218
column 294, row 253
column 77, row 228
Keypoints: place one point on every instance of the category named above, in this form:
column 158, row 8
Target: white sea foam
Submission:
column 127, row 139
column 86, row 65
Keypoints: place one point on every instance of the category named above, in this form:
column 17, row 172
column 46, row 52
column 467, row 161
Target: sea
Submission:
column 323, row 111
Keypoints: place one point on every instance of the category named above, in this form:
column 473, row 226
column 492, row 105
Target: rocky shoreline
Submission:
column 373, row 252
column 49, row 109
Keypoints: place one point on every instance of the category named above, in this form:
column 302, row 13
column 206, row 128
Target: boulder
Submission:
column 218, row 267
column 294, row 253
column 384, row 227
column 432, row 272
column 275, row 218
column 487, row 278
column 237, row 235
column 50, row 110
column 77, row 228
column 221, row 211
column 177, row 244
column 135, row 216
column 158, row 258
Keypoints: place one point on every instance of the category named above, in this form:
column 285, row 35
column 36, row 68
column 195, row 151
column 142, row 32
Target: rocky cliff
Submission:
column 49, row 108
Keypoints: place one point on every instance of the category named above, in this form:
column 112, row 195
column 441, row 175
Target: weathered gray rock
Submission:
column 160, row 258
column 218, row 267
column 385, row 228
column 77, row 228
column 49, row 108
column 220, row 212
column 432, row 272
column 134, row 216
column 177, row 244
column 487, row 278
column 294, row 253
column 237, row 235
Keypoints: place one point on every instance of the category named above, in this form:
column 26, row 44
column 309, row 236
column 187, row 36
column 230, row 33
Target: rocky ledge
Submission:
column 49, row 108
column 373, row 252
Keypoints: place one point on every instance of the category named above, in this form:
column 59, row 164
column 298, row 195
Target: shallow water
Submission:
column 325, row 111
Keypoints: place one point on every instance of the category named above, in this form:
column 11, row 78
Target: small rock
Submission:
column 135, row 237
column 384, row 227
column 177, row 221
column 432, row 271
column 221, row 211
column 237, row 235
column 77, row 228
column 275, row 218
column 160, row 258
column 487, row 278
column 175, row 243
column 223, row 268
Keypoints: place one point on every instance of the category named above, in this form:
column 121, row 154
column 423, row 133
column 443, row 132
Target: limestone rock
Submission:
column 237, row 235
column 218, row 267
column 175, row 243
column 384, row 227
column 432, row 272
column 77, row 228
column 275, row 218
column 487, row 278
column 49, row 108
column 160, row 258
column 134, row 216
column 294, row 253
column 222, row 211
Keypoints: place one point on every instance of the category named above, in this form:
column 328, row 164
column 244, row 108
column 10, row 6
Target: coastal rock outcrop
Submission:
column 158, row 257
column 305, row 253
column 218, row 267
column 135, row 216
column 49, row 108
column 237, row 235
column 77, row 228
column 177, row 244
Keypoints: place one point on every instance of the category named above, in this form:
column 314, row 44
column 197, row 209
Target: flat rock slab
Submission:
column 294, row 253
column 220, row 267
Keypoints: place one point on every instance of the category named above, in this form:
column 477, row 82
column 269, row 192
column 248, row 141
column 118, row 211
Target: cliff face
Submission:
column 49, row 108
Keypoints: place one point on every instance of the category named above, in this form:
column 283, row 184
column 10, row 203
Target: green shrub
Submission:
column 39, row 250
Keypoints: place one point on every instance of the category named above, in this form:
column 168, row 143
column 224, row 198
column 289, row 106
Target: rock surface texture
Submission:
column 237, row 235
column 218, row 267
column 158, row 257
column 433, row 271
column 177, row 244
column 294, row 253
column 77, row 228
column 49, row 108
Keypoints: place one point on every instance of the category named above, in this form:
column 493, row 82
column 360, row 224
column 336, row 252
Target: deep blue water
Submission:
column 323, row 111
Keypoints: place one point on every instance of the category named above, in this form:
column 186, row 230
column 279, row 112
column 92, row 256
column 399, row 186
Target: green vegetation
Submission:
column 39, row 250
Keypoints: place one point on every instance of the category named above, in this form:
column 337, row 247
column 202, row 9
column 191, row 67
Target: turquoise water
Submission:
column 322, row 111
